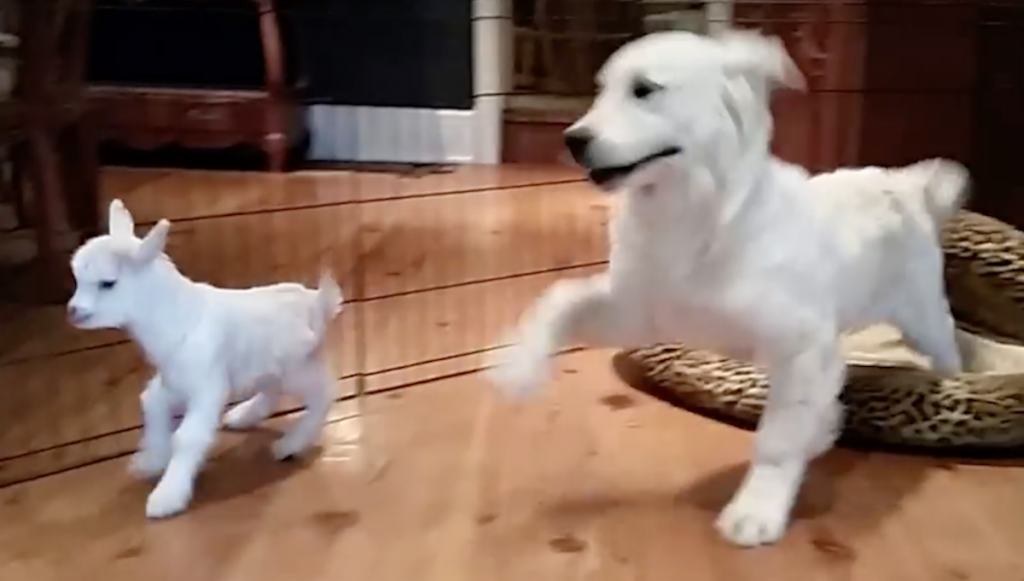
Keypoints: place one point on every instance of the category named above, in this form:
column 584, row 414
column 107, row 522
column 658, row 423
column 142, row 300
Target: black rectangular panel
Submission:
column 399, row 53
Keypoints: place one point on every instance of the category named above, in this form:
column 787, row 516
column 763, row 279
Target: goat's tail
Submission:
column 329, row 299
column 944, row 186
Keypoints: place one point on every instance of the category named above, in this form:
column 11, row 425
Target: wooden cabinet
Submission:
column 147, row 117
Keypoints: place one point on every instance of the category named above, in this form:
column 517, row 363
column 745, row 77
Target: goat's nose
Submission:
column 577, row 141
column 75, row 314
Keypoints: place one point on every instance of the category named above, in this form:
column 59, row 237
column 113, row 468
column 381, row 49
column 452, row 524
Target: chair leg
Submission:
column 80, row 173
column 51, row 222
column 18, row 183
column 8, row 194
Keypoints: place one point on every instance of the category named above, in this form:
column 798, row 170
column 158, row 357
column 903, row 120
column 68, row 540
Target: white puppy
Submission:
column 720, row 245
column 209, row 346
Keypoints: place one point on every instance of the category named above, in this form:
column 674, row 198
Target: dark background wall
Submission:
column 398, row 53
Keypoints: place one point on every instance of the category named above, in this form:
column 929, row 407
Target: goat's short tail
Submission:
column 944, row 186
column 329, row 299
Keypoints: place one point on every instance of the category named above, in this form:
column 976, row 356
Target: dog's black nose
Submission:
column 577, row 141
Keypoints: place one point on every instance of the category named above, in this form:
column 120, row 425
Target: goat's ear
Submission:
column 153, row 244
column 119, row 220
column 764, row 57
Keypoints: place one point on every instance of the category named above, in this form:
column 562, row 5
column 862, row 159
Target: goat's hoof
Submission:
column 242, row 417
column 168, row 499
column 147, row 465
column 287, row 448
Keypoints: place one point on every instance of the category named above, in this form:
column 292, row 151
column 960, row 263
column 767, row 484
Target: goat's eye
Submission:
column 107, row 284
column 642, row 89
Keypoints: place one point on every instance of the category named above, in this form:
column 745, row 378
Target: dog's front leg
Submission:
column 570, row 310
column 191, row 444
column 801, row 420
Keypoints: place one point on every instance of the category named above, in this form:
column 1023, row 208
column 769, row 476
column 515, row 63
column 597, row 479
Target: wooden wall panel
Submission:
column 919, row 77
column 820, row 128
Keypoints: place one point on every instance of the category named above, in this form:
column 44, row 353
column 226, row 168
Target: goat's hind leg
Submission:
column 314, row 385
column 253, row 411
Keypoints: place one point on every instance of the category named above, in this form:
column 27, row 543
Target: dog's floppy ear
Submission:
column 765, row 57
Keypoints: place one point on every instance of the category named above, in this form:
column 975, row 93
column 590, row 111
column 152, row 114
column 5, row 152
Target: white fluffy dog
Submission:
column 209, row 345
column 721, row 245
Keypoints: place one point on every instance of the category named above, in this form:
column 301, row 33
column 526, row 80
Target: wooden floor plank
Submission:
column 448, row 481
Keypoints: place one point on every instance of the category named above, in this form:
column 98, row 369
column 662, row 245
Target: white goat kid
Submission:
column 720, row 245
column 209, row 346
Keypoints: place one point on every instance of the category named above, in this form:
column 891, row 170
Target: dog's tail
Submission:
column 943, row 186
column 329, row 301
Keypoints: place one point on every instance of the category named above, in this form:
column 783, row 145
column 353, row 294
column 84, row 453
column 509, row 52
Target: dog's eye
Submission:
column 643, row 89
column 107, row 284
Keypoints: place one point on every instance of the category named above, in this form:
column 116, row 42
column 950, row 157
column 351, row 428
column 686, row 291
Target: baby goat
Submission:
column 209, row 346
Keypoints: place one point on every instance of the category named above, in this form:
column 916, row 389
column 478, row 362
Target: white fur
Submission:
column 720, row 245
column 209, row 346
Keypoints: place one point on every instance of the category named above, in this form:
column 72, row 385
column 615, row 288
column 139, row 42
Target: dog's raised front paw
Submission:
column 168, row 499
column 148, row 464
column 752, row 519
column 520, row 370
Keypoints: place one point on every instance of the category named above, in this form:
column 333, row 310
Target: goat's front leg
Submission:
column 155, row 448
column 191, row 444
column 571, row 310
column 801, row 420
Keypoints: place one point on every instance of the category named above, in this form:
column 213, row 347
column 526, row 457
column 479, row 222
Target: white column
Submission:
column 492, row 75
column 719, row 15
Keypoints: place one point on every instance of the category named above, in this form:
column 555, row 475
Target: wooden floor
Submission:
column 430, row 476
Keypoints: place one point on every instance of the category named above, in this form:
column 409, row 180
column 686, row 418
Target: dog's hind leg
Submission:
column 923, row 314
column 929, row 328
column 314, row 385
column 801, row 420
column 571, row 310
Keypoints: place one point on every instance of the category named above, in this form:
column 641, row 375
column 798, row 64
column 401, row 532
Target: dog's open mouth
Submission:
column 604, row 175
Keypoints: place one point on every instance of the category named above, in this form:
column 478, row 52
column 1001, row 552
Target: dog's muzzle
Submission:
column 604, row 175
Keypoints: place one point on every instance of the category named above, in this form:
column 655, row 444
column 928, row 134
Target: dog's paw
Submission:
column 753, row 519
column 520, row 371
column 168, row 499
column 148, row 464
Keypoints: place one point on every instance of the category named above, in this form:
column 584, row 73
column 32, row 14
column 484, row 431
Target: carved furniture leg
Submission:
column 277, row 152
column 275, row 140
column 81, row 175
column 19, row 181
column 50, row 222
